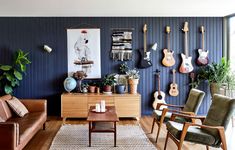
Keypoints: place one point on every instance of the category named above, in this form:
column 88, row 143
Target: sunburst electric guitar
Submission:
column 168, row 59
column 145, row 61
column 186, row 65
column 174, row 87
column 159, row 96
column 202, row 60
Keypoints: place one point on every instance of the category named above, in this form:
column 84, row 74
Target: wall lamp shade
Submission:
column 47, row 48
column 154, row 47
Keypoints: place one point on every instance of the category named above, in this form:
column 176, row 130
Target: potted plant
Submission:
column 133, row 79
column 92, row 86
column 217, row 74
column 11, row 75
column 108, row 82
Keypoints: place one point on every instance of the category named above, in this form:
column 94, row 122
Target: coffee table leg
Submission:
column 115, row 134
column 89, row 133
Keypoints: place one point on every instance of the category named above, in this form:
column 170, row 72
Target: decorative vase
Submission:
column 120, row 88
column 92, row 89
column 133, row 85
column 107, row 88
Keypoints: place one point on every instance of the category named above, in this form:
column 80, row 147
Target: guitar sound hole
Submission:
column 159, row 97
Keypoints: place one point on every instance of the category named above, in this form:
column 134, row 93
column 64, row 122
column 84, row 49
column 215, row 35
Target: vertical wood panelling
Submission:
column 44, row 78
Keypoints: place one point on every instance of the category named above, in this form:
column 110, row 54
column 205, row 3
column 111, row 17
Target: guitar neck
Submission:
column 168, row 42
column 145, row 41
column 173, row 77
column 159, row 91
column 203, row 41
column 186, row 44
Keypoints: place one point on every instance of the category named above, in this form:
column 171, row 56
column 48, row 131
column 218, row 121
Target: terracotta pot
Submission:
column 91, row 89
column 133, row 85
column 107, row 88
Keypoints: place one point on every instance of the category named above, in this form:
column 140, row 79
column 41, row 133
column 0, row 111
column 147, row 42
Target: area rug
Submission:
column 129, row 137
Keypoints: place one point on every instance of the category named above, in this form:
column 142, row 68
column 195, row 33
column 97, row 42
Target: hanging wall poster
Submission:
column 84, row 52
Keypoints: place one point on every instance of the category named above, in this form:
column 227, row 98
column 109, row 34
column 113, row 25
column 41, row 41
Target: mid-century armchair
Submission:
column 191, row 107
column 212, row 130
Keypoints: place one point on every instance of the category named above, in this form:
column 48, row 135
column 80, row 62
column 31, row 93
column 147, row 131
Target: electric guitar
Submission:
column 203, row 54
column 186, row 65
column 159, row 96
column 145, row 61
column 174, row 87
column 168, row 59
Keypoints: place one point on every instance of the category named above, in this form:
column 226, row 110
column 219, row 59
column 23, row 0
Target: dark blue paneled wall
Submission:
column 45, row 75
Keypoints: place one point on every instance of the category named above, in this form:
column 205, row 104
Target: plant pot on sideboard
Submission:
column 133, row 85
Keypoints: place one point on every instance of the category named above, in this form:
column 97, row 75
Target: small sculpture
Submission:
column 79, row 76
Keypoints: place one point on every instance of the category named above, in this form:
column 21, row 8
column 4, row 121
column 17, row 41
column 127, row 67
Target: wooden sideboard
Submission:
column 76, row 105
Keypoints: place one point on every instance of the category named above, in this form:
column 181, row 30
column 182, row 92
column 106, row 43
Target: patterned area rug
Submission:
column 129, row 137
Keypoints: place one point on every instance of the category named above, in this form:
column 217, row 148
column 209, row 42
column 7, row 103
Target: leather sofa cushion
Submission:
column 17, row 107
column 29, row 124
column 5, row 112
column 194, row 133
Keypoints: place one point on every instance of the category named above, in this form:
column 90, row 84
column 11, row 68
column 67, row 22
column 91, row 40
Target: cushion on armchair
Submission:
column 5, row 112
column 158, row 113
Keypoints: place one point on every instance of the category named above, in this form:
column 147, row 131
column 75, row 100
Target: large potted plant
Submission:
column 108, row 81
column 11, row 75
column 217, row 74
column 133, row 80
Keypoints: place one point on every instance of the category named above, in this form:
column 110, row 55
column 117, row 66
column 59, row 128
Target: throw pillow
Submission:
column 17, row 107
column 1, row 120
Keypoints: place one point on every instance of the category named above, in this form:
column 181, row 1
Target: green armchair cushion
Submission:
column 157, row 115
column 194, row 133
column 194, row 100
column 219, row 114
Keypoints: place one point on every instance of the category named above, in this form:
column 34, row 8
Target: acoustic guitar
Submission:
column 174, row 87
column 186, row 65
column 202, row 60
column 159, row 96
column 145, row 61
column 168, row 59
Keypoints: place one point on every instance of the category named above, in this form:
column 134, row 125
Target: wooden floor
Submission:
column 42, row 140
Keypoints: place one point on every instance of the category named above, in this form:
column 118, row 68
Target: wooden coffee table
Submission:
column 102, row 122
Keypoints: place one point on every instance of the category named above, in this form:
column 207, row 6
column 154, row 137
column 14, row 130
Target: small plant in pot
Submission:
column 133, row 79
column 108, row 81
column 92, row 86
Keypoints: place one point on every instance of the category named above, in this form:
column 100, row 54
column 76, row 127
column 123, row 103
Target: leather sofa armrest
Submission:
column 9, row 138
column 35, row 105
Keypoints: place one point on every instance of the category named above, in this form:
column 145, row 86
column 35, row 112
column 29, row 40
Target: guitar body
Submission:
column 174, row 89
column 168, row 59
column 145, row 59
column 203, row 57
column 186, row 66
column 159, row 98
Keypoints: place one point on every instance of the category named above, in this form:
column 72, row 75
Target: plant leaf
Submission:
column 18, row 75
column 8, row 89
column 5, row 67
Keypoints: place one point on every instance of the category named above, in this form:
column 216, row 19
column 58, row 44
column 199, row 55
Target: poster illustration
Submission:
column 84, row 52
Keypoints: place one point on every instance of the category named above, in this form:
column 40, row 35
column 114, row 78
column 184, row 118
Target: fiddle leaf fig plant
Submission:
column 11, row 75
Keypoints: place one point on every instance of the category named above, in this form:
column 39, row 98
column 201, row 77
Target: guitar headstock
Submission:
column 145, row 28
column 185, row 29
column 173, row 71
column 157, row 72
column 202, row 29
column 168, row 29
column 192, row 75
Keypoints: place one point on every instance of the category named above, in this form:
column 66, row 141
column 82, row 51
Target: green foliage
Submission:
column 109, row 80
column 123, row 68
column 133, row 73
column 10, row 75
column 219, row 73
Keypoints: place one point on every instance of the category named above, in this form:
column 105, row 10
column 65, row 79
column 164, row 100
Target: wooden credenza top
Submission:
column 100, row 94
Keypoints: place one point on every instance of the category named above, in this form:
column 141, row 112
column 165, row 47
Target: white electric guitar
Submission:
column 159, row 96
column 186, row 65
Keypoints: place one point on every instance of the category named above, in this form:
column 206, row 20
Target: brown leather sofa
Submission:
column 16, row 132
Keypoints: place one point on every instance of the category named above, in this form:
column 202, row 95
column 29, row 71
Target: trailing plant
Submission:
column 11, row 75
column 123, row 68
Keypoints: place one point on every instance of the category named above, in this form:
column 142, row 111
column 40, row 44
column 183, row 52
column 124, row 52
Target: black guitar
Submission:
column 145, row 61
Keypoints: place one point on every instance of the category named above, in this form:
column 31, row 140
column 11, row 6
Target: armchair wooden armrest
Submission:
column 170, row 105
column 192, row 117
column 9, row 132
column 219, row 128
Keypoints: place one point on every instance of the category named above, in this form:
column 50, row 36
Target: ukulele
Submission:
column 203, row 54
column 145, row 61
column 158, row 95
column 168, row 59
column 186, row 65
column 174, row 87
